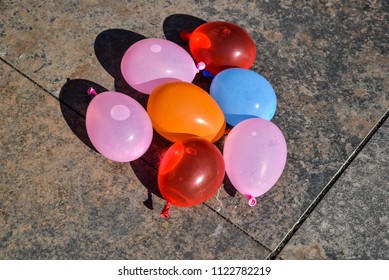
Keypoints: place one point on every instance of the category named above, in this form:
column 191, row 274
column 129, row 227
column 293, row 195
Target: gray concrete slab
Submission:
column 352, row 220
column 62, row 200
column 326, row 61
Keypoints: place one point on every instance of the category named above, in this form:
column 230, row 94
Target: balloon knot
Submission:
column 201, row 65
column 92, row 91
column 165, row 210
column 184, row 35
column 252, row 200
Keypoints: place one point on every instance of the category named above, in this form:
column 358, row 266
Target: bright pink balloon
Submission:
column 255, row 156
column 151, row 62
column 118, row 126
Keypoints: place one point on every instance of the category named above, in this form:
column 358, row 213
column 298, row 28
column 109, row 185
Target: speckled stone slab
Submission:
column 59, row 199
column 352, row 221
column 327, row 61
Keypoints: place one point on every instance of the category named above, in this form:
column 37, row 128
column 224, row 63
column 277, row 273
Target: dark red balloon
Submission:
column 190, row 172
column 222, row 45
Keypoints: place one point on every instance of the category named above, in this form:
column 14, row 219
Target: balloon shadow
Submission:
column 110, row 47
column 148, row 176
column 74, row 101
column 173, row 25
column 146, row 167
column 227, row 185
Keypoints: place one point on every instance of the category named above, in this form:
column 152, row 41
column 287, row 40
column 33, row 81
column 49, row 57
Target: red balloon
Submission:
column 222, row 45
column 190, row 172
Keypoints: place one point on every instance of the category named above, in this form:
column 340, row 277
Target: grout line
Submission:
column 306, row 213
column 326, row 188
column 27, row 77
column 238, row 227
column 59, row 100
column 41, row 87
column 148, row 163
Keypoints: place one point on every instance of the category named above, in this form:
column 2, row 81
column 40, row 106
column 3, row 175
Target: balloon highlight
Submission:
column 243, row 94
column 152, row 62
column 190, row 172
column 181, row 110
column 255, row 155
column 118, row 126
column 222, row 45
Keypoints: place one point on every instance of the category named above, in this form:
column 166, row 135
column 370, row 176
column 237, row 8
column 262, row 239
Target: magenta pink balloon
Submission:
column 118, row 126
column 255, row 155
column 151, row 62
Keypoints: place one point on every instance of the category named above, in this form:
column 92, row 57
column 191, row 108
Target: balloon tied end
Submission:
column 208, row 74
column 165, row 211
column 92, row 91
column 200, row 66
column 184, row 35
column 252, row 201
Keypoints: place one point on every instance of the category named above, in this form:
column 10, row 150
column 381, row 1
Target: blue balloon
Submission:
column 243, row 94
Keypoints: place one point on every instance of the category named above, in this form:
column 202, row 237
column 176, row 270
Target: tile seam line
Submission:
column 238, row 227
column 27, row 77
column 306, row 213
column 148, row 163
column 53, row 96
column 274, row 254
column 40, row 86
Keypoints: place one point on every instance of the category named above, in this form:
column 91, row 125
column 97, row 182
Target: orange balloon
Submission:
column 190, row 172
column 181, row 110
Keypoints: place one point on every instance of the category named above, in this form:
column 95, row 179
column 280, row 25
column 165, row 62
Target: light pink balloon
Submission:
column 255, row 156
column 151, row 62
column 118, row 126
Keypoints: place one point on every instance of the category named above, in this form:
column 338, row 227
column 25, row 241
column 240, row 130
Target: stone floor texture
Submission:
column 351, row 222
column 60, row 199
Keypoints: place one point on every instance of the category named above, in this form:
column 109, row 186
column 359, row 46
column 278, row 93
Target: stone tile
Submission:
column 59, row 199
column 54, row 40
column 326, row 61
column 328, row 65
column 352, row 221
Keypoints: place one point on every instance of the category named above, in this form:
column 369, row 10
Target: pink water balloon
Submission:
column 151, row 62
column 255, row 156
column 118, row 126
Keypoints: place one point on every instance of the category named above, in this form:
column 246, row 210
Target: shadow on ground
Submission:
column 110, row 46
